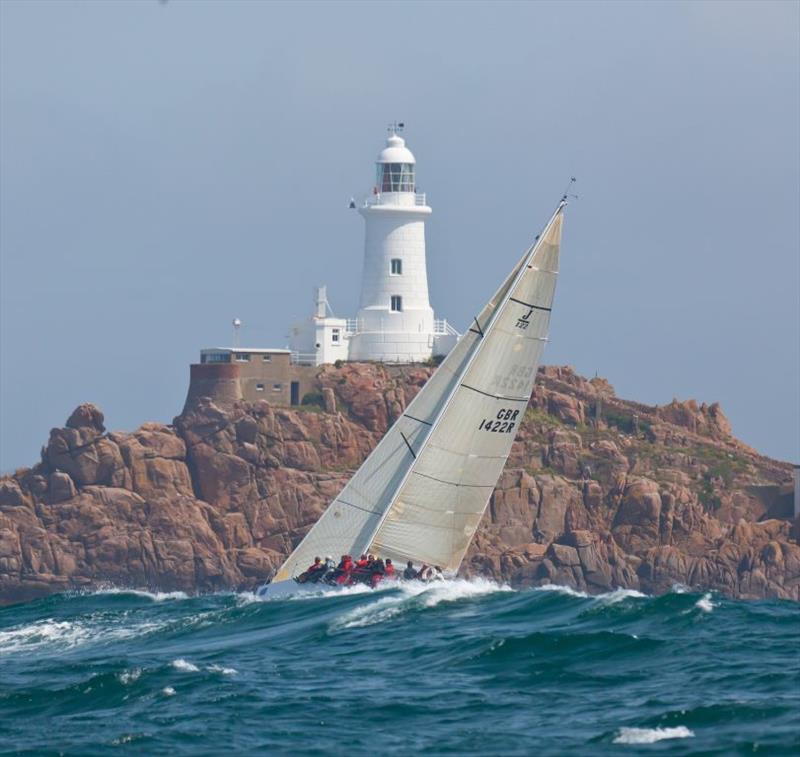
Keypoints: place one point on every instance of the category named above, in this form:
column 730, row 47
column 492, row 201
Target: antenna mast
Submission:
column 237, row 324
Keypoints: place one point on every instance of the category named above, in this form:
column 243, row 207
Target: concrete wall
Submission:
column 257, row 379
column 219, row 381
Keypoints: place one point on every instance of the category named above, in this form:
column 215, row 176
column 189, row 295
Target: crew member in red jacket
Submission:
column 344, row 569
column 313, row 573
column 361, row 571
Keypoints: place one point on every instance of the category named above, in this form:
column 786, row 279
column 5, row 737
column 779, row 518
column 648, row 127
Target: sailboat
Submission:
column 421, row 493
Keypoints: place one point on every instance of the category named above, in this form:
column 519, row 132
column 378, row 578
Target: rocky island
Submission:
column 599, row 492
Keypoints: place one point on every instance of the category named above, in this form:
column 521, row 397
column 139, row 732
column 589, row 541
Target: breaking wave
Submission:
column 651, row 735
column 450, row 667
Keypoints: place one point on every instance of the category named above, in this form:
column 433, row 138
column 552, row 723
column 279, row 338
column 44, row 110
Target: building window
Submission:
column 397, row 266
column 242, row 357
column 277, row 387
column 335, row 336
column 259, row 387
column 216, row 357
column 397, row 303
column 267, row 358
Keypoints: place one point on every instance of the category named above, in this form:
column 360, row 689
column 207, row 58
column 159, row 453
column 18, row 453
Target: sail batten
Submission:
column 422, row 492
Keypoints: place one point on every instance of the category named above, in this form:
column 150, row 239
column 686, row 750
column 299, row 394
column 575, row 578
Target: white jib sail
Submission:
column 422, row 491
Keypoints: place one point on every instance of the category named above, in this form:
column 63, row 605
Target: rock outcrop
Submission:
column 598, row 493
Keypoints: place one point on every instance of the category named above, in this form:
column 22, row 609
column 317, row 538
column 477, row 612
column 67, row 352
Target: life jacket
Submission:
column 344, row 570
column 375, row 579
column 390, row 571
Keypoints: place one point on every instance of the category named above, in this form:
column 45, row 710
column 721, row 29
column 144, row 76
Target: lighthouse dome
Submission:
column 396, row 151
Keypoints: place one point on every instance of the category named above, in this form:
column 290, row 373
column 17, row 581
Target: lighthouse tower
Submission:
column 395, row 322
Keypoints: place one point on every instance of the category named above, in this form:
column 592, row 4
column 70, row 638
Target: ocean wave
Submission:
column 704, row 603
column 185, row 666
column 651, row 735
column 129, row 676
column 68, row 634
column 559, row 589
column 619, row 595
column 474, row 668
column 415, row 595
column 223, row 671
column 155, row 596
column 608, row 597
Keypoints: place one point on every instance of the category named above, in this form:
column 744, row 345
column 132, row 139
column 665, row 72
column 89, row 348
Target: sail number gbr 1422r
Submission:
column 503, row 423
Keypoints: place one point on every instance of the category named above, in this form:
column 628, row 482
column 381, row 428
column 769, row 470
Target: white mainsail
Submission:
column 422, row 492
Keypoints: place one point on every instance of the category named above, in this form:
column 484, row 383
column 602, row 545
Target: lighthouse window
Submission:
column 397, row 266
column 259, row 387
column 397, row 303
column 335, row 336
column 396, row 177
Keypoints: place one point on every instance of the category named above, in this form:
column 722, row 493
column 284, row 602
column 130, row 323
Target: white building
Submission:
column 395, row 321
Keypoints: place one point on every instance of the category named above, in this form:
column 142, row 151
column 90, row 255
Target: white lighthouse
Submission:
column 395, row 321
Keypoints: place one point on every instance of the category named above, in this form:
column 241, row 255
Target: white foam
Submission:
column 129, row 676
column 618, row 595
column 704, row 603
column 334, row 591
column 651, row 735
column 155, row 596
column 247, row 598
column 367, row 615
column 607, row 598
column 66, row 634
column 451, row 591
column 409, row 594
column 222, row 670
column 184, row 666
column 568, row 590
column 168, row 691
column 42, row 633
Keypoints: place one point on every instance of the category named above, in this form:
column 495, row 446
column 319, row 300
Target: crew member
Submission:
column 377, row 572
column 313, row 573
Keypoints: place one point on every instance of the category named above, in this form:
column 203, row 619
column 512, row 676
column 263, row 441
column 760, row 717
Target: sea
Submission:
column 457, row 667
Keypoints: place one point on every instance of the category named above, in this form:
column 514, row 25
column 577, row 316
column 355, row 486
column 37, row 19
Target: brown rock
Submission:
column 87, row 416
column 219, row 499
column 329, row 400
column 60, row 487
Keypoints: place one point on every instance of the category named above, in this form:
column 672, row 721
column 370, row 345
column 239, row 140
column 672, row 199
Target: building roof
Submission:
column 396, row 151
column 252, row 350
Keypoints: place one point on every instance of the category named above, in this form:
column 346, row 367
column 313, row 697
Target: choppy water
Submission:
column 457, row 667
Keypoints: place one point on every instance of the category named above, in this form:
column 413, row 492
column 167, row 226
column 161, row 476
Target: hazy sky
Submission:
column 166, row 167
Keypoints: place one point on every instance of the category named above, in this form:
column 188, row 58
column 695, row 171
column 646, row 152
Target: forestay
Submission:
column 421, row 493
